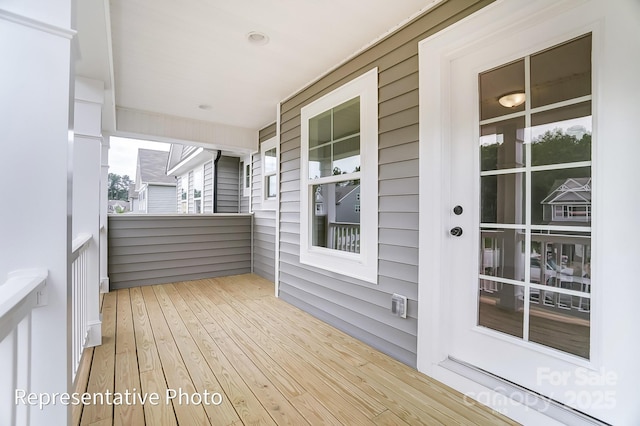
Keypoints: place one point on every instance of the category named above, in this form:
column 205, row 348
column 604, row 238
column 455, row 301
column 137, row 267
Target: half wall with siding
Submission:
column 359, row 308
column 146, row 249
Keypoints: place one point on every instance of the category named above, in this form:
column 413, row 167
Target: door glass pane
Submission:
column 502, row 253
column 502, row 198
column 561, row 259
column 499, row 82
column 561, row 197
column 561, row 135
column 561, row 73
column 560, row 321
column 501, row 307
column 547, row 202
column 502, row 145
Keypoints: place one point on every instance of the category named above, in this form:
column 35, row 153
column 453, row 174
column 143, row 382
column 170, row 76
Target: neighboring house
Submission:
column 133, row 198
column 156, row 190
column 569, row 201
column 348, row 204
column 197, row 191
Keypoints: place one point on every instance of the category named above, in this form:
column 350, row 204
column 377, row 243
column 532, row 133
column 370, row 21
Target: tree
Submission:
column 552, row 147
column 119, row 187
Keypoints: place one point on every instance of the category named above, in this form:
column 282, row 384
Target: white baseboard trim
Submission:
column 104, row 285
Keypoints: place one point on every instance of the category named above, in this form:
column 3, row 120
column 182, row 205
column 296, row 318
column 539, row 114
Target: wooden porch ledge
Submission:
column 264, row 361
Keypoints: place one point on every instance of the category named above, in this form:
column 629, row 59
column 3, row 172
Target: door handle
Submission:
column 456, row 232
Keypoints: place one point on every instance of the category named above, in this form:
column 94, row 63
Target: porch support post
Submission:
column 35, row 106
column 104, row 197
column 89, row 97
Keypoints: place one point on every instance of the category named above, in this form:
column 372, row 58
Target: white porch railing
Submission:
column 345, row 237
column 80, row 313
column 24, row 291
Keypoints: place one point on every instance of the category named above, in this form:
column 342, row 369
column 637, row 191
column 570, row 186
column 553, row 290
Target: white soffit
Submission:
column 170, row 57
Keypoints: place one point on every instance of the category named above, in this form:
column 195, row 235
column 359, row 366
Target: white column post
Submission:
column 104, row 197
column 89, row 97
column 35, row 47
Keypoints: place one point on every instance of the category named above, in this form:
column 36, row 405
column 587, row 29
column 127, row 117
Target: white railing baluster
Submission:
column 23, row 367
column 23, row 291
column 80, row 299
column 344, row 237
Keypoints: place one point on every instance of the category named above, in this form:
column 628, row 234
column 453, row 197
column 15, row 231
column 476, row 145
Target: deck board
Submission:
column 270, row 362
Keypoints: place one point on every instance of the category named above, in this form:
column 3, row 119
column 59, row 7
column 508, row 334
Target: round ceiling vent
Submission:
column 256, row 37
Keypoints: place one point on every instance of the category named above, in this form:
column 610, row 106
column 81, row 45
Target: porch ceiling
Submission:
column 169, row 57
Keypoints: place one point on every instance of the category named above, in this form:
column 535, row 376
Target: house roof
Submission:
column 343, row 191
column 177, row 153
column 152, row 167
column 570, row 191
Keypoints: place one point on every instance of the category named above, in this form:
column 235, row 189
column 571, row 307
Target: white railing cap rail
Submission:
column 80, row 241
column 23, row 291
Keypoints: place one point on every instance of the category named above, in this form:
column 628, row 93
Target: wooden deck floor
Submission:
column 267, row 361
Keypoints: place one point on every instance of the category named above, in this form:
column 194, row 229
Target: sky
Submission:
column 123, row 154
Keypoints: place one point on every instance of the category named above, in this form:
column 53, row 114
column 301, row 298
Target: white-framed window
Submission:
column 269, row 157
column 245, row 173
column 339, row 180
column 198, row 183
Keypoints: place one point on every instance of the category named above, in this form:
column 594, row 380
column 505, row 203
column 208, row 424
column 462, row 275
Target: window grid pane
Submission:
column 547, row 185
column 334, row 141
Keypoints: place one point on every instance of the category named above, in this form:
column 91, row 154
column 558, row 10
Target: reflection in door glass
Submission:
column 560, row 321
column 502, row 253
column 502, row 198
column 561, row 259
column 561, row 73
column 502, row 145
column 501, row 307
column 561, row 135
column 561, row 197
column 535, row 198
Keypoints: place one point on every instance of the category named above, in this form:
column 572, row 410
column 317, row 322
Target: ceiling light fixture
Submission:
column 512, row 100
column 257, row 38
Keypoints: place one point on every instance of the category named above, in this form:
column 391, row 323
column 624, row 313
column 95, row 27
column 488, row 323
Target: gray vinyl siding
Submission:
column 264, row 221
column 208, row 188
column 359, row 308
column 228, row 184
column 267, row 133
column 264, row 244
column 146, row 250
column 160, row 199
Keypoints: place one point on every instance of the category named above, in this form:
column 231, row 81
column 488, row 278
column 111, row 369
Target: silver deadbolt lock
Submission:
column 456, row 232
